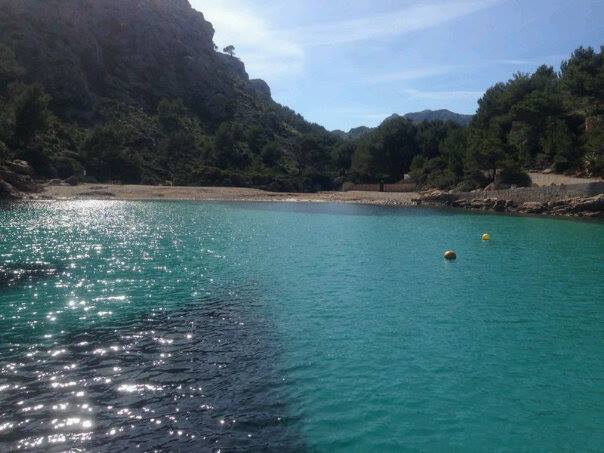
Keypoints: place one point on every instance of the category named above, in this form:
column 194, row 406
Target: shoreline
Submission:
column 575, row 201
column 166, row 193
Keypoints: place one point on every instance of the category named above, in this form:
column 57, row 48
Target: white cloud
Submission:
column 263, row 51
column 536, row 61
column 270, row 52
column 410, row 19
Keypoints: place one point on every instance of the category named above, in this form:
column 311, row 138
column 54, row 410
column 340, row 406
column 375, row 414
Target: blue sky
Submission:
column 346, row 63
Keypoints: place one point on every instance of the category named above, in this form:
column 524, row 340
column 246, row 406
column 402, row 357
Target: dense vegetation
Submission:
column 543, row 120
column 165, row 109
column 170, row 145
column 242, row 137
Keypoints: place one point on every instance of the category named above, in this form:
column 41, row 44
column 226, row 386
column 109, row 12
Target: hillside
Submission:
column 134, row 52
column 439, row 115
column 416, row 118
column 136, row 90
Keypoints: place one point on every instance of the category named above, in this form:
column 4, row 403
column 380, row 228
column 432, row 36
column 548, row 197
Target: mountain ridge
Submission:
column 135, row 91
column 132, row 52
column 439, row 115
column 415, row 117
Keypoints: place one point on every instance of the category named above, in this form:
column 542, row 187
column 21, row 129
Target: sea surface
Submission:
column 178, row 326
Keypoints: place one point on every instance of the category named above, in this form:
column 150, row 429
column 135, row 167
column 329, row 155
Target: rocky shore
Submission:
column 16, row 180
column 574, row 200
column 581, row 200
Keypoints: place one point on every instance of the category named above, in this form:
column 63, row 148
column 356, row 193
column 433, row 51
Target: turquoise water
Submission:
column 188, row 326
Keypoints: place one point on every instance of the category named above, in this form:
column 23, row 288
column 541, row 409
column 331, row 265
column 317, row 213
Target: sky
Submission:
column 347, row 63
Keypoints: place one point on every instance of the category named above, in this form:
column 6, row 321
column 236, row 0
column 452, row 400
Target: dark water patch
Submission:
column 195, row 379
column 12, row 274
column 382, row 344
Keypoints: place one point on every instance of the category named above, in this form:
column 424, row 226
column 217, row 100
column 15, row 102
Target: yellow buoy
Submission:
column 450, row 255
column 486, row 237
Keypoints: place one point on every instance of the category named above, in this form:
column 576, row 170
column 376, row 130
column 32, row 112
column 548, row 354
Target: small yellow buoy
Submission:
column 450, row 255
column 486, row 237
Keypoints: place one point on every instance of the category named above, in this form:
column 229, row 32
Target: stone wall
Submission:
column 399, row 187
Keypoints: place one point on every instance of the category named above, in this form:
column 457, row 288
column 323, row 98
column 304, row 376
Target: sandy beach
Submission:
column 140, row 192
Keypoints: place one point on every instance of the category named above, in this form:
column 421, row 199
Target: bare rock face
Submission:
column 19, row 166
column 72, row 181
column 8, row 192
column 592, row 207
column 133, row 51
column 261, row 87
column 438, row 197
column 15, row 178
column 584, row 206
column 532, row 207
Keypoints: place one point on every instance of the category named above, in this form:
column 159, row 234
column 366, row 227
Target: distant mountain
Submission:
column 354, row 133
column 439, row 115
column 415, row 117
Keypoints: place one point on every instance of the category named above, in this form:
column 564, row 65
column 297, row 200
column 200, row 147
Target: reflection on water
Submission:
column 196, row 377
column 134, row 340
column 206, row 326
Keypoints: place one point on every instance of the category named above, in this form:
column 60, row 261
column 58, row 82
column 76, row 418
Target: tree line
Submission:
column 547, row 119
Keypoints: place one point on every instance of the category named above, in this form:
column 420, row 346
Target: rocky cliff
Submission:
column 15, row 179
column 132, row 51
column 136, row 91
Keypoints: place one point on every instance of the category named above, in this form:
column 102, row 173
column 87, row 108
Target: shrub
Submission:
column 418, row 170
column 594, row 164
column 67, row 166
column 561, row 164
column 443, row 180
column 466, row 185
column 474, row 179
column 512, row 173
column 433, row 173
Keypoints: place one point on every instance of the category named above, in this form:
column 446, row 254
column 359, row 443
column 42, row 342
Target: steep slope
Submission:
column 137, row 92
column 131, row 51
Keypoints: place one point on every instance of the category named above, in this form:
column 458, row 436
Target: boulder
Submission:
column 439, row 196
column 7, row 191
column 592, row 204
column 20, row 182
column 532, row 207
column 20, row 167
column 500, row 205
column 72, row 180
